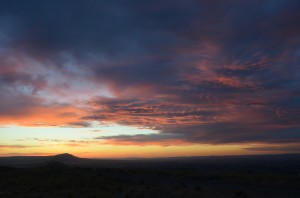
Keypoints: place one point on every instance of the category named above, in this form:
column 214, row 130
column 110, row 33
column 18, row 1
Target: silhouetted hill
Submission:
column 52, row 164
column 288, row 163
column 65, row 158
column 34, row 161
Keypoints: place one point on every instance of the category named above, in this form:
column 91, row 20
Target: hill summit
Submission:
column 65, row 155
column 65, row 158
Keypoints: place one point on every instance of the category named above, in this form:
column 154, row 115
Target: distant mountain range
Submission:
column 280, row 162
column 35, row 161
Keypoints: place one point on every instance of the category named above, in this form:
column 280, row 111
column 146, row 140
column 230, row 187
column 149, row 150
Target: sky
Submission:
column 151, row 78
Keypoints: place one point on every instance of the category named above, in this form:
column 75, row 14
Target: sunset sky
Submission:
column 149, row 78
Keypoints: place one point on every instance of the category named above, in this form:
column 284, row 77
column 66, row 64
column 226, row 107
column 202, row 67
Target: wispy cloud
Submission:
column 18, row 146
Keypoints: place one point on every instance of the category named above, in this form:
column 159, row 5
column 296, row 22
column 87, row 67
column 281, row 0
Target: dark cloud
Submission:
column 196, row 71
column 143, row 140
column 276, row 148
column 78, row 124
column 227, row 133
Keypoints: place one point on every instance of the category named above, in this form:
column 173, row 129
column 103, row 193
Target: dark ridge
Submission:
column 287, row 163
column 53, row 164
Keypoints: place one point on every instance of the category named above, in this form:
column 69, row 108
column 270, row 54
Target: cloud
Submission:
column 143, row 140
column 97, row 131
column 64, row 142
column 210, row 72
column 276, row 148
column 16, row 146
column 32, row 111
column 215, row 134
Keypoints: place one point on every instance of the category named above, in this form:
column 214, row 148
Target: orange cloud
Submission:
column 45, row 116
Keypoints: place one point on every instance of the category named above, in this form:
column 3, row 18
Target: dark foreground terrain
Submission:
column 67, row 176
